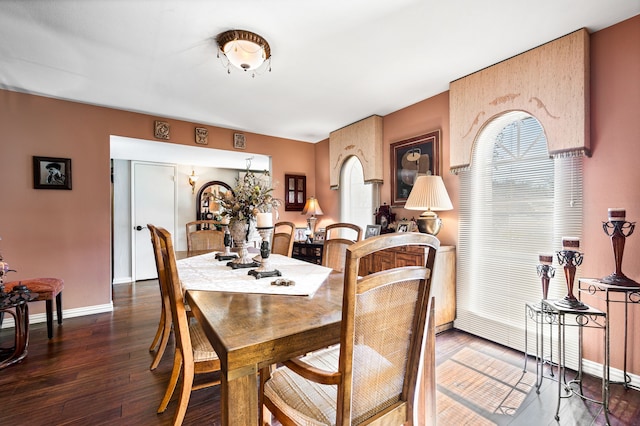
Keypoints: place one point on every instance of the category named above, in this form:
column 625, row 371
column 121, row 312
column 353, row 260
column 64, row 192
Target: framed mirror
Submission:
column 206, row 206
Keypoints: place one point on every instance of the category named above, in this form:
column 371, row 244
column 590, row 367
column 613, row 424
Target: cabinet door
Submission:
column 384, row 260
column 295, row 192
column 409, row 259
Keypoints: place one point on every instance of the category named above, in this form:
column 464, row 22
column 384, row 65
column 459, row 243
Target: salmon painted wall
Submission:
column 66, row 234
column 612, row 174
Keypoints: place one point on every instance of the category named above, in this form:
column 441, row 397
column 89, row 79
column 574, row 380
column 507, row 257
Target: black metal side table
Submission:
column 615, row 294
column 582, row 318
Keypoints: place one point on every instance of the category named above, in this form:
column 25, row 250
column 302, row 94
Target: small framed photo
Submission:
column 300, row 234
column 372, row 231
column 239, row 141
column 51, row 173
column 319, row 235
column 404, row 226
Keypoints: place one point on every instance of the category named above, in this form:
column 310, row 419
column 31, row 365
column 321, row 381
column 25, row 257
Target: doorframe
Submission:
column 133, row 208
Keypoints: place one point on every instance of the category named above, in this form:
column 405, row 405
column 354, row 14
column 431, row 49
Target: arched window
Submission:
column 515, row 203
column 356, row 197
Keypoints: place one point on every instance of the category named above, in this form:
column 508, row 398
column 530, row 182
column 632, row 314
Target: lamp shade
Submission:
column 429, row 193
column 312, row 207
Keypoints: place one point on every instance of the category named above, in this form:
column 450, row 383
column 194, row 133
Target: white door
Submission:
column 153, row 201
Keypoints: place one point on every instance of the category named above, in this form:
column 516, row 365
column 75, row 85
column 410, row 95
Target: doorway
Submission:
column 153, row 200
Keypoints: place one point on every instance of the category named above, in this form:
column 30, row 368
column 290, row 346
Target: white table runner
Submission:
column 205, row 272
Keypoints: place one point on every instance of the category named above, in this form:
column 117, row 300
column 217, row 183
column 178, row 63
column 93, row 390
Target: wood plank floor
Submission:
column 95, row 371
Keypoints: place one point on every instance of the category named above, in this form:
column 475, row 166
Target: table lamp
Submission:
column 429, row 193
column 312, row 207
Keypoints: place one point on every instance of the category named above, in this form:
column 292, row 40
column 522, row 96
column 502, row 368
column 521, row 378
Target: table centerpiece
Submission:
column 251, row 195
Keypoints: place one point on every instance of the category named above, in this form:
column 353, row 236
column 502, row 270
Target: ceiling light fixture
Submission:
column 244, row 50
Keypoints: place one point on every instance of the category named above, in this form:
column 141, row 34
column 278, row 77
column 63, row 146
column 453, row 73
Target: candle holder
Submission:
column 227, row 255
column 569, row 259
column 265, row 269
column 618, row 229
column 545, row 271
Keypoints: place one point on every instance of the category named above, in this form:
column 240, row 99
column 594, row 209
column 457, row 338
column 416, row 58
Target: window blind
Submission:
column 515, row 203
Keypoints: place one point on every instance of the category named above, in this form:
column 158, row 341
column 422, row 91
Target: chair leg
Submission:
column 173, row 381
column 166, row 332
column 49, row 304
column 185, row 393
column 156, row 338
column 59, row 307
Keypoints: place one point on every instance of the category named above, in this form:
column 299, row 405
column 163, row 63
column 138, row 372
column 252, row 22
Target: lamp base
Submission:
column 429, row 223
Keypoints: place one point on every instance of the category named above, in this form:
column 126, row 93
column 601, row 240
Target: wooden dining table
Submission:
column 250, row 331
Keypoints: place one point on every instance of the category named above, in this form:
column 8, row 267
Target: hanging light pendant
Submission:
column 244, row 50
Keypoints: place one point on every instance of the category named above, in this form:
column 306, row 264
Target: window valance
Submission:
column 550, row 82
column 362, row 139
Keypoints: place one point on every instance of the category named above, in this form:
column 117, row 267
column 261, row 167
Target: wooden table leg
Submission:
column 240, row 400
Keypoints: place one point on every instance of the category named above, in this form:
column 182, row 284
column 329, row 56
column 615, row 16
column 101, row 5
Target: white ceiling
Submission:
column 334, row 61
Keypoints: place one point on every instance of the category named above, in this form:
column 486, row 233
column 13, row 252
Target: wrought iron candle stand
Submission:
column 618, row 229
column 545, row 271
column 569, row 258
column 227, row 255
column 265, row 269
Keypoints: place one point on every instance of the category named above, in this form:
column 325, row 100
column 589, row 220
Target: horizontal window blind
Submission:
column 515, row 203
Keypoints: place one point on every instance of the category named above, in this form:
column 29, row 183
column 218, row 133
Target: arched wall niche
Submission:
column 550, row 82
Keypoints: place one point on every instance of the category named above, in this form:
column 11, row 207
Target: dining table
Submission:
column 259, row 327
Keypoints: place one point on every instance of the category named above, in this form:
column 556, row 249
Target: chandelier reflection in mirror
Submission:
column 244, row 50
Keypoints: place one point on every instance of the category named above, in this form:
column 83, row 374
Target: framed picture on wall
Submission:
column 51, row 173
column 410, row 157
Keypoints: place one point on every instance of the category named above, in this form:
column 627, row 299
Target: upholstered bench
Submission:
column 47, row 289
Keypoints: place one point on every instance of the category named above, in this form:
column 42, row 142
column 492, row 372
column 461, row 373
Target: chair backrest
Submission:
column 383, row 331
column 282, row 241
column 347, row 231
column 338, row 237
column 202, row 235
column 170, row 283
column 157, row 255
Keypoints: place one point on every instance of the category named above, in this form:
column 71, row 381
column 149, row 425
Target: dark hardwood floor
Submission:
column 95, row 371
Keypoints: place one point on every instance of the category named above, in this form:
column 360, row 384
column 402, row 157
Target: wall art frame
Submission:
column 51, row 173
column 410, row 157
column 239, row 141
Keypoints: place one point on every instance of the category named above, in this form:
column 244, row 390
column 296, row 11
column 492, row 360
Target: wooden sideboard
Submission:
column 443, row 284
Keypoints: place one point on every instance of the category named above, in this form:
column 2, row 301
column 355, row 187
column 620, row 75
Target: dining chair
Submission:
column 202, row 235
column 338, row 236
column 372, row 375
column 160, row 340
column 282, row 241
column 193, row 353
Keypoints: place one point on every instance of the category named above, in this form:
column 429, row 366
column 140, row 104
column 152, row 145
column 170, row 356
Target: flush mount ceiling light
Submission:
column 244, row 50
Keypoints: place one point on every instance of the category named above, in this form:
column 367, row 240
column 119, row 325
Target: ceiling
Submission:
column 334, row 61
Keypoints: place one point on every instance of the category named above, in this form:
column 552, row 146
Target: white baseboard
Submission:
column 125, row 280
column 66, row 313
column 615, row 375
